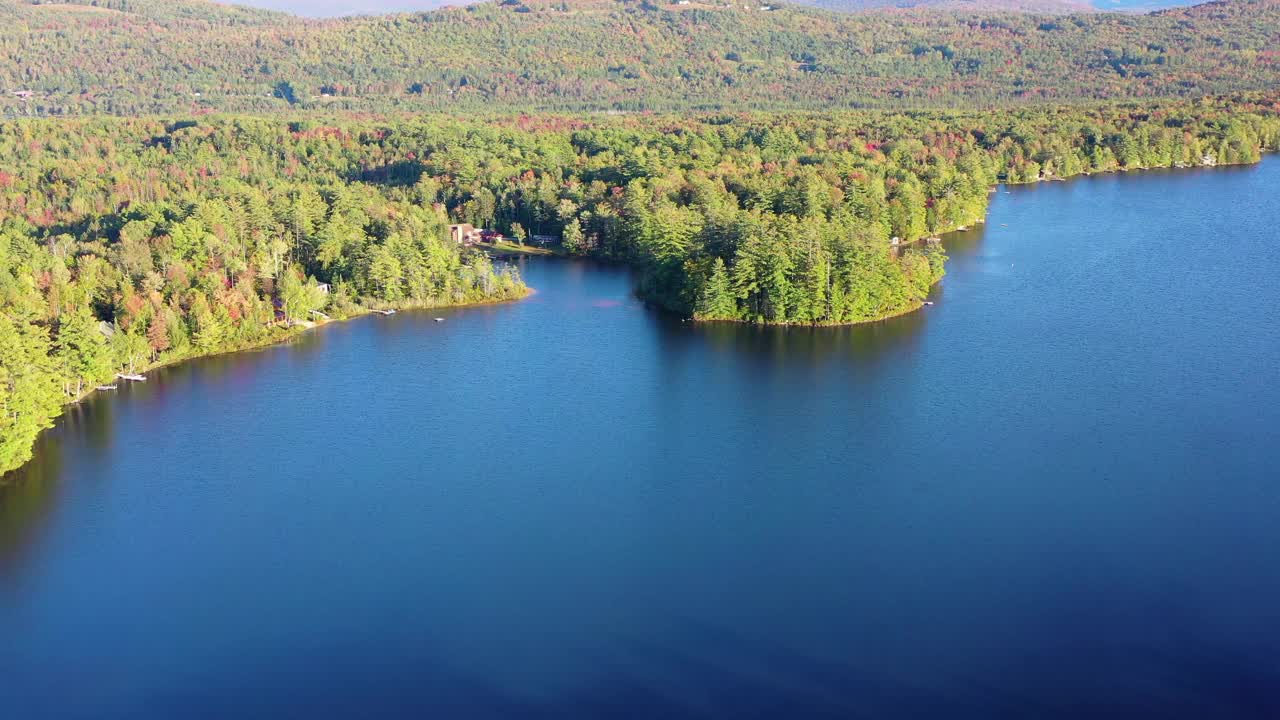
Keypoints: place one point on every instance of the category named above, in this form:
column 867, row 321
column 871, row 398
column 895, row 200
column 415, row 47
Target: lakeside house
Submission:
column 465, row 234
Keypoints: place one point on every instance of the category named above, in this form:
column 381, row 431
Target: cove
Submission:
column 1051, row 494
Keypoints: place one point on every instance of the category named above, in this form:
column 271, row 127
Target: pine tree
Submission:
column 30, row 393
column 130, row 348
column 209, row 331
column 83, row 350
column 717, row 301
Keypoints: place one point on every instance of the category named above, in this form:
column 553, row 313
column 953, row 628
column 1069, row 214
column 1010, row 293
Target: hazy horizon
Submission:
column 338, row 8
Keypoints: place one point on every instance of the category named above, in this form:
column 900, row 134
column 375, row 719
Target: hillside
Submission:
column 144, row 56
column 338, row 8
column 1044, row 7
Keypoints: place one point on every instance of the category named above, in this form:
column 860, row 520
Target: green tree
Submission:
column 209, row 329
column 30, row 392
column 299, row 298
column 130, row 348
column 83, row 350
column 386, row 274
column 573, row 240
column 717, row 301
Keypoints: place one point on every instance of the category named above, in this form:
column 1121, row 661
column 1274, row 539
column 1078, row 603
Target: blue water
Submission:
column 1053, row 494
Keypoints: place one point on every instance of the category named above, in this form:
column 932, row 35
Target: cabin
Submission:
column 544, row 239
column 323, row 287
column 464, row 234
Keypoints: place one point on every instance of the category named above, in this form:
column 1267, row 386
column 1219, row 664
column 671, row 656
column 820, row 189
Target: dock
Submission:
column 385, row 312
column 107, row 387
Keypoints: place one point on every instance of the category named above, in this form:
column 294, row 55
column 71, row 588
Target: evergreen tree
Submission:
column 30, row 389
column 717, row 301
column 83, row 350
column 130, row 348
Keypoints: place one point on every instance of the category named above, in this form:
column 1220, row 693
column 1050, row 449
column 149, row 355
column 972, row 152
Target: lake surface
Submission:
column 1053, row 494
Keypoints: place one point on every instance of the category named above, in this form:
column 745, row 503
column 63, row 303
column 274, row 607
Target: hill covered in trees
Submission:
column 1044, row 7
column 125, row 242
column 132, row 57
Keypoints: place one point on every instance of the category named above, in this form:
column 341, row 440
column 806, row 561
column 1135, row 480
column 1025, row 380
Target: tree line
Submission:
column 129, row 242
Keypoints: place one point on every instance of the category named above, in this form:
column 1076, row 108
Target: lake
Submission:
column 1053, row 494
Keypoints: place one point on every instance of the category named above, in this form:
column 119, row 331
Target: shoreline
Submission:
column 292, row 333
column 920, row 304
column 905, row 310
column 286, row 336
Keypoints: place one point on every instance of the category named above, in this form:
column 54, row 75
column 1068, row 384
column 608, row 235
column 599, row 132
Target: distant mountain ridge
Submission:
column 342, row 8
column 189, row 56
column 1050, row 7
column 339, row 8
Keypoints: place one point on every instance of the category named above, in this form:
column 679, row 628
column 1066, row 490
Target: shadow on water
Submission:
column 28, row 497
column 865, row 345
column 986, row 593
column 717, row 672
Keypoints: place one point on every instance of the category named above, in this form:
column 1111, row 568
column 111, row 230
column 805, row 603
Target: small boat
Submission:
column 134, row 378
column 439, row 319
column 107, row 387
column 385, row 312
column 928, row 302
